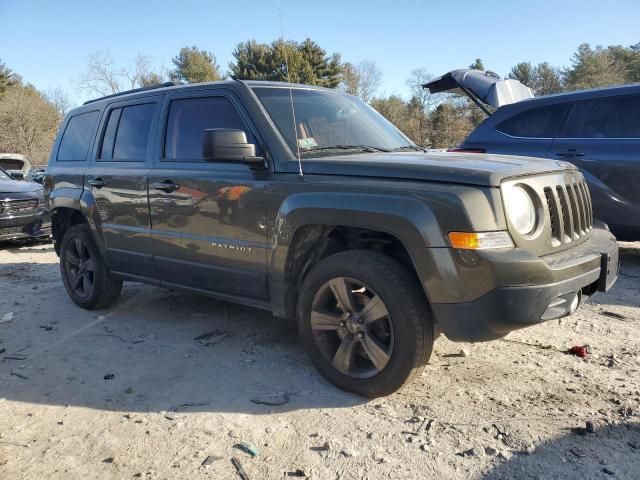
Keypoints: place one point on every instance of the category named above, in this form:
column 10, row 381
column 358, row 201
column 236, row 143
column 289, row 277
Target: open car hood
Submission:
column 481, row 86
column 14, row 163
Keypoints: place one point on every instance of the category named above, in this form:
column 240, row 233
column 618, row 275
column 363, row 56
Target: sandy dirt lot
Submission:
column 129, row 392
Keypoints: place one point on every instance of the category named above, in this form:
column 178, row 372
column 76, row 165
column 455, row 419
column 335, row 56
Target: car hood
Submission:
column 16, row 186
column 487, row 87
column 461, row 168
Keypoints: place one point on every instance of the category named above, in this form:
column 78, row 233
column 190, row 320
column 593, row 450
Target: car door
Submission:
column 602, row 137
column 518, row 131
column 208, row 218
column 117, row 180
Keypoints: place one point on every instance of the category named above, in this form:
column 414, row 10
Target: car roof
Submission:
column 170, row 87
column 584, row 94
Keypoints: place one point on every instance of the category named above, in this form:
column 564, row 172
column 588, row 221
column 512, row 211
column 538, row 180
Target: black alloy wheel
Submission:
column 352, row 327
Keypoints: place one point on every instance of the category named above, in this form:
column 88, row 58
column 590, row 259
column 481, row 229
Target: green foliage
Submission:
column 597, row 67
column 193, row 65
column 450, row 124
column 628, row 60
column 151, row 78
column 524, row 72
column 308, row 63
column 477, row 65
column 547, row 79
column 7, row 78
column 543, row 79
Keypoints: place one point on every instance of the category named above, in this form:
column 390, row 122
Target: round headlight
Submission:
column 521, row 210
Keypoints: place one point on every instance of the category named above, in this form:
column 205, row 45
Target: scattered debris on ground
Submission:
column 211, row 338
column 210, row 460
column 238, row 466
column 580, row 350
column 19, row 375
column 272, row 400
column 245, row 447
column 607, row 313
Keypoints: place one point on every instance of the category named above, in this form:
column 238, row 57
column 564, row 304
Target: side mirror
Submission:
column 229, row 145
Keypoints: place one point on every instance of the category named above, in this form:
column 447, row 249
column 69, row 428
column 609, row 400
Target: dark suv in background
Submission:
column 306, row 202
column 596, row 130
column 23, row 213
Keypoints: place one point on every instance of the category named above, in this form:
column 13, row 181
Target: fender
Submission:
column 405, row 217
column 599, row 188
column 82, row 201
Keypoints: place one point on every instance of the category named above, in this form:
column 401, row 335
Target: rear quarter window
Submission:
column 614, row 117
column 542, row 122
column 77, row 137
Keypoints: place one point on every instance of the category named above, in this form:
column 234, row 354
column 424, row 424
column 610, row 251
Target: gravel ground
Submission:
column 129, row 392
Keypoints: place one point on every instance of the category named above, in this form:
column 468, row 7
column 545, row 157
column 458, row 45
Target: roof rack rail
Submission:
column 135, row 90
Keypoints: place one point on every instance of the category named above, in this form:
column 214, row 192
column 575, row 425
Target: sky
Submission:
column 48, row 42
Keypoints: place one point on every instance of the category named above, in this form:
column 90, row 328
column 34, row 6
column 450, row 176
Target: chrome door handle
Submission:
column 166, row 186
column 97, row 182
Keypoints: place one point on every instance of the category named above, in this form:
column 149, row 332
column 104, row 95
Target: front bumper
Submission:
column 523, row 289
column 37, row 225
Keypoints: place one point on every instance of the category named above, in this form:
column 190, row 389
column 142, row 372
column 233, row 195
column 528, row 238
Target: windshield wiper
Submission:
column 357, row 148
column 414, row 148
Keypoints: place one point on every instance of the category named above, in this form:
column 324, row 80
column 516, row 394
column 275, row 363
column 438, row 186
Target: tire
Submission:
column 88, row 281
column 388, row 351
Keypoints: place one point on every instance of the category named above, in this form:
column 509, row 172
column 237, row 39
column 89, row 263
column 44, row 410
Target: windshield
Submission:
column 11, row 164
column 329, row 122
column 3, row 175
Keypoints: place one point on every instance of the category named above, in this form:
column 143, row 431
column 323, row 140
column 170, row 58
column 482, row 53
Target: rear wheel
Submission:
column 86, row 278
column 364, row 322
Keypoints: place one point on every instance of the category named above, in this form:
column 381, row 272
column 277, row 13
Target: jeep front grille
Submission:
column 18, row 207
column 570, row 211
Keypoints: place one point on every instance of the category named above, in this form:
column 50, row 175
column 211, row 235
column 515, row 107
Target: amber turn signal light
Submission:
column 480, row 240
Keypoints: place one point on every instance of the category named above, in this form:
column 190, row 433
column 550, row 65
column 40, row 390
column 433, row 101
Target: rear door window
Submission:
column 614, row 117
column 542, row 122
column 77, row 137
column 126, row 135
column 190, row 117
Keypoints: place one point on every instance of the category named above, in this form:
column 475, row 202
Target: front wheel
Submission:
column 86, row 277
column 364, row 322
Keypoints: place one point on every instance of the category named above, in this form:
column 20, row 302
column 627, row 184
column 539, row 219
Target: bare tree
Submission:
column 362, row 80
column 415, row 82
column 139, row 70
column 104, row 77
column 421, row 105
column 60, row 99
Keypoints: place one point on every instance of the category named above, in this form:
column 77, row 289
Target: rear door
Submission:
column 527, row 133
column 602, row 137
column 208, row 218
column 118, row 181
